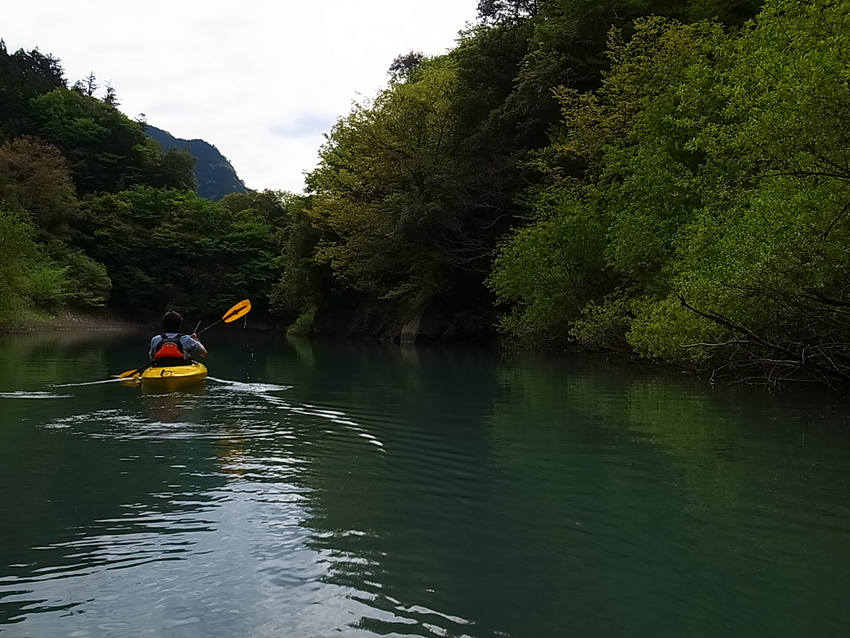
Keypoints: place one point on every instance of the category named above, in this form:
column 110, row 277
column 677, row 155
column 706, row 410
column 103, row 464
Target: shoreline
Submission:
column 88, row 323
column 68, row 323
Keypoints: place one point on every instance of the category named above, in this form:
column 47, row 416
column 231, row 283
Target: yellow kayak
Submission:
column 171, row 377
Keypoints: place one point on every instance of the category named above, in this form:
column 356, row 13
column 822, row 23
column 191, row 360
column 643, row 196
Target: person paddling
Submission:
column 173, row 348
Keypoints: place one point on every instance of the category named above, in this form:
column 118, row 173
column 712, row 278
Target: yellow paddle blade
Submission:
column 239, row 310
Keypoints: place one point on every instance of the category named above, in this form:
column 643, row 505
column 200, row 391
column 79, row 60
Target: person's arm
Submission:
column 154, row 342
column 200, row 349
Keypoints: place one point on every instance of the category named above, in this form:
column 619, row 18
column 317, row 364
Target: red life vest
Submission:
column 169, row 348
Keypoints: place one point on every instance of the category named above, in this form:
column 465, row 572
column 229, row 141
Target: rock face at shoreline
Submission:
column 433, row 321
column 430, row 324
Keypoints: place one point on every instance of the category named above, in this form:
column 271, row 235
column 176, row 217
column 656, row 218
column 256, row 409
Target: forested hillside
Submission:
column 418, row 186
column 668, row 179
column 214, row 173
column 663, row 178
column 94, row 213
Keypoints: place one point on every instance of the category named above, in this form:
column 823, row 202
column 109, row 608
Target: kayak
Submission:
column 171, row 377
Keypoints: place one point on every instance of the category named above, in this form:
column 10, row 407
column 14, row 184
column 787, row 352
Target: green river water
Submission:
column 360, row 489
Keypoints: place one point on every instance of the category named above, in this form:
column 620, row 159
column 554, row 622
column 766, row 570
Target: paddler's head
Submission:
column 172, row 321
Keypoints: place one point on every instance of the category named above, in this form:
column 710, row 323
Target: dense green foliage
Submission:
column 543, row 139
column 105, row 150
column 660, row 177
column 170, row 248
column 92, row 210
column 42, row 270
column 716, row 181
column 667, row 178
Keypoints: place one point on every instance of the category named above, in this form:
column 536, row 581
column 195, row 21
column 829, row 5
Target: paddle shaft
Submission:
column 208, row 327
column 239, row 310
column 133, row 373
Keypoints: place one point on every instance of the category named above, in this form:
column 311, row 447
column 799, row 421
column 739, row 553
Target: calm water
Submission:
column 339, row 489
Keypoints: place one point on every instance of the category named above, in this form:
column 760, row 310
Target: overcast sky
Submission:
column 262, row 80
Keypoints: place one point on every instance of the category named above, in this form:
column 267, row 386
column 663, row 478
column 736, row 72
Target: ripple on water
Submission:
column 243, row 386
column 254, row 544
column 21, row 394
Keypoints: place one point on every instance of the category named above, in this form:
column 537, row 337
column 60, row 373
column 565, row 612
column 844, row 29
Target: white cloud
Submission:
column 259, row 79
column 305, row 124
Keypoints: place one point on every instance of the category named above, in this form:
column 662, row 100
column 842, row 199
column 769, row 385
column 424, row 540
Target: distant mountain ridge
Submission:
column 214, row 172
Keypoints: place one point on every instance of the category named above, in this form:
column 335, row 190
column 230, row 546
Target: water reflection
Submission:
column 359, row 489
column 709, row 499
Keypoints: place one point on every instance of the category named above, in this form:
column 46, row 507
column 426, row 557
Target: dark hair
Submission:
column 172, row 321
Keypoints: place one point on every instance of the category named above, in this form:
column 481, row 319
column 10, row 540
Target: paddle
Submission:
column 134, row 373
column 239, row 310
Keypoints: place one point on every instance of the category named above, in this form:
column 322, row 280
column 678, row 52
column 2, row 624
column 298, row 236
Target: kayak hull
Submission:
column 172, row 377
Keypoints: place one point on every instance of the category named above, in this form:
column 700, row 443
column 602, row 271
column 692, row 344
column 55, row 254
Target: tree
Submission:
column 23, row 76
column 404, row 65
column 274, row 206
column 306, row 283
column 550, row 270
column 621, row 188
column 506, row 10
column 164, row 247
column 106, row 151
column 111, row 96
column 87, row 86
column 35, row 180
column 383, row 188
column 761, row 274
column 30, row 279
